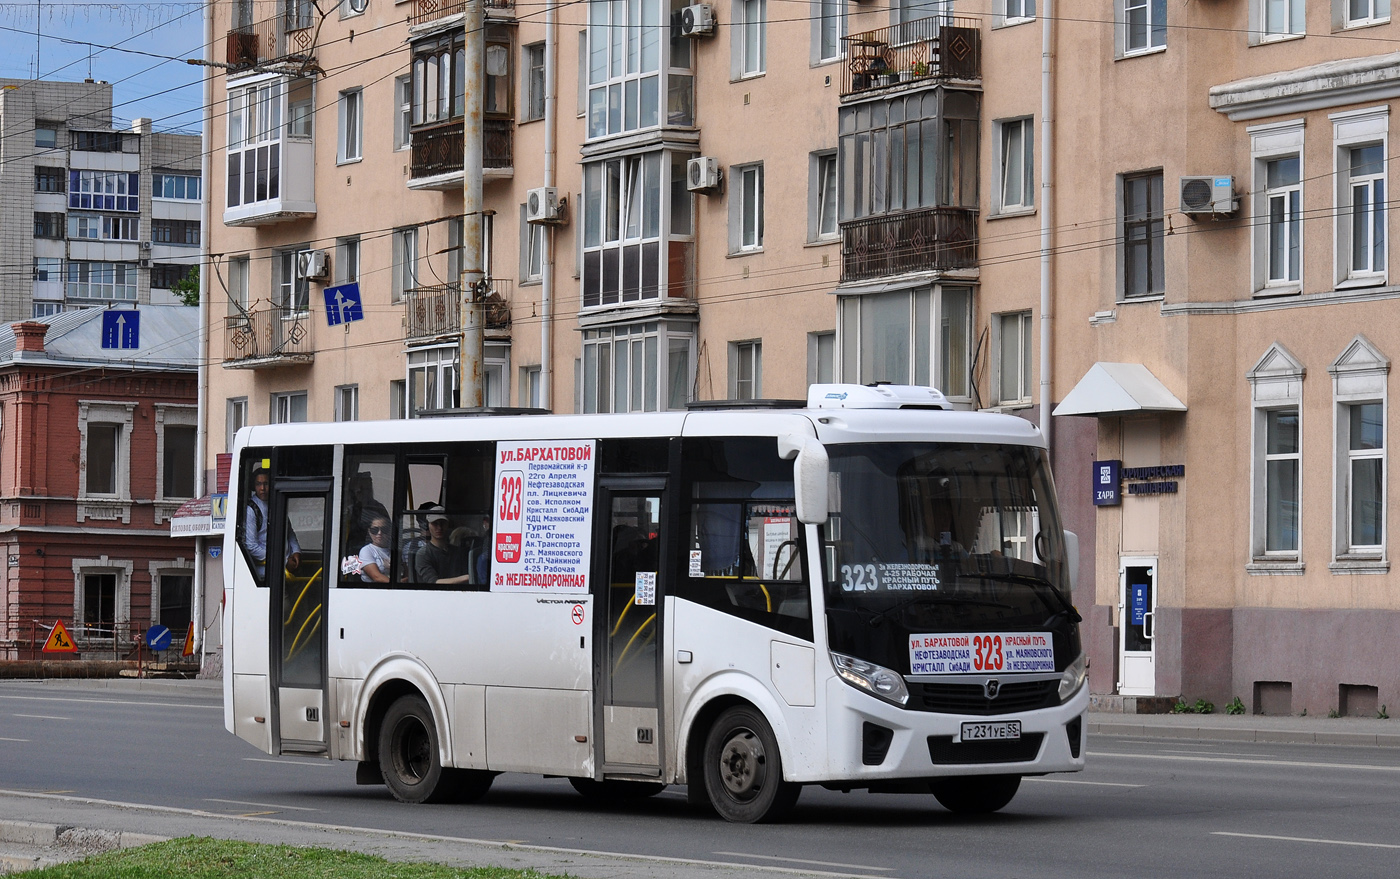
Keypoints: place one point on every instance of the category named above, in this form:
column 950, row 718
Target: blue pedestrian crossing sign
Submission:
column 121, row 328
column 343, row 304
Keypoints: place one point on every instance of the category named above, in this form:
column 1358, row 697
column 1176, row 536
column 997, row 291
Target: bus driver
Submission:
column 255, row 527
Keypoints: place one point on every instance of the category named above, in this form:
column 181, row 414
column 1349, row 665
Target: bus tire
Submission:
column 409, row 755
column 975, row 794
column 744, row 771
column 615, row 790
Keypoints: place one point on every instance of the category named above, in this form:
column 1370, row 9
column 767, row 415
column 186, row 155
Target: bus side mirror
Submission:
column 1072, row 559
column 809, row 473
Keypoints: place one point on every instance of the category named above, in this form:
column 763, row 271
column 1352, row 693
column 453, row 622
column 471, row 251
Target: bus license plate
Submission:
column 1002, row 730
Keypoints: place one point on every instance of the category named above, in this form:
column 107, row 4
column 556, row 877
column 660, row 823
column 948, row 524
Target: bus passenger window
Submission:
column 367, row 492
column 445, row 521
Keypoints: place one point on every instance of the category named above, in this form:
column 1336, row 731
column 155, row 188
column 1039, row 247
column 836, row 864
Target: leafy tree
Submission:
column 187, row 288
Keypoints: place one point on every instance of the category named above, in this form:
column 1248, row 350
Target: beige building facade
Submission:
column 754, row 196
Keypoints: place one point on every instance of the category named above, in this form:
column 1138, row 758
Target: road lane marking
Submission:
column 1077, row 781
column 286, row 762
column 41, row 717
column 261, row 805
column 801, row 861
column 8, row 739
column 215, row 707
column 1306, row 839
column 1299, row 764
column 1209, row 753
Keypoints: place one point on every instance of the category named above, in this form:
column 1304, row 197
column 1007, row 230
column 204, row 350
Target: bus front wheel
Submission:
column 744, row 771
column 975, row 794
column 411, row 761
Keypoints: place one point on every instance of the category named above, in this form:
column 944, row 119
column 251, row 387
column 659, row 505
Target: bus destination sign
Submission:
column 542, row 516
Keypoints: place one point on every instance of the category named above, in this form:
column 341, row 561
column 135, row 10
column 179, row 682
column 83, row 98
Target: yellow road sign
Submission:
column 59, row 640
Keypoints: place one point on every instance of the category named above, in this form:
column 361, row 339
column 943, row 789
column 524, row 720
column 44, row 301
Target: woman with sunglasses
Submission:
column 374, row 556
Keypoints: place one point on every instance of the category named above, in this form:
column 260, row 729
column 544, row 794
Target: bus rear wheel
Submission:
column 744, row 771
column 411, row 762
column 614, row 789
column 975, row 794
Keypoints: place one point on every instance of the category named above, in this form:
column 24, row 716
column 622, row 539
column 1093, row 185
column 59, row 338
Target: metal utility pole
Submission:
column 470, row 353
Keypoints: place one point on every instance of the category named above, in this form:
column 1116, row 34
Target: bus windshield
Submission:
column 946, row 537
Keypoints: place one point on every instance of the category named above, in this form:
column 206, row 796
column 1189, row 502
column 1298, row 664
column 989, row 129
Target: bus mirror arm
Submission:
column 809, row 473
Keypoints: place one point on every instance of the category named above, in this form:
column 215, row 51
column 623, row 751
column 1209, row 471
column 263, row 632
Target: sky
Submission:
column 138, row 47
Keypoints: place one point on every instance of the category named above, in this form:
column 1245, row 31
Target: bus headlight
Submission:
column 1073, row 678
column 873, row 679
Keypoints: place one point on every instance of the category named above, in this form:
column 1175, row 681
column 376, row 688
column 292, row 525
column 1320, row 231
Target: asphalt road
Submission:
column 161, row 762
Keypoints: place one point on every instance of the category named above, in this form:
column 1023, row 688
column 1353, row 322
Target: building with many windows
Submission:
column 1196, row 289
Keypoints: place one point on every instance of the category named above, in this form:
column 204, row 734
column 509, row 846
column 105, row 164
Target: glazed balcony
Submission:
column 268, row 337
column 929, row 49
column 437, row 153
column 926, row 240
column 436, row 312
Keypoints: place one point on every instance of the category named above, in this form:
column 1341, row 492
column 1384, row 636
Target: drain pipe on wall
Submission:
column 1047, row 141
column 551, row 101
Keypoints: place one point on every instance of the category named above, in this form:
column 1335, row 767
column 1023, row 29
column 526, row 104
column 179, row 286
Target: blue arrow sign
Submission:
column 121, row 328
column 343, row 304
column 158, row 638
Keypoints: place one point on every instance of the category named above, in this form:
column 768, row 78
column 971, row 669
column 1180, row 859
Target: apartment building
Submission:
column 735, row 200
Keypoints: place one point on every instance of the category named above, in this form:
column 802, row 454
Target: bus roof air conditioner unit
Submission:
column 1212, row 195
column 702, row 174
column 698, row 20
column 542, row 206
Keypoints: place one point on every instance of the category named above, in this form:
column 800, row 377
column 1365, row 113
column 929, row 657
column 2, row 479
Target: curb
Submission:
column 1270, row 736
column 61, row 835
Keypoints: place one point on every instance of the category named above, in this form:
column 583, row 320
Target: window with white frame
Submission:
column 1143, row 235
column 175, row 442
column 175, row 185
column 531, row 249
column 350, row 112
column 105, row 438
column 1276, row 395
column 398, row 398
column 1142, row 25
column 96, row 227
column 1276, row 153
column 821, row 358
column 347, row 403
column 46, row 309
column 1359, row 378
column 746, row 208
column 622, row 226
column 432, row 379
column 1360, row 139
column 454, row 250
column 403, row 112
column 822, row 217
column 1360, row 13
column 288, row 407
column 531, row 387
column 750, row 37
column 1282, row 480
column 104, row 190
column 636, row 368
column 291, row 290
column 625, row 61
column 235, row 419
column 1015, row 168
column 1013, row 358
column 1013, row 12
column 254, row 152
column 746, row 370
column 405, row 266
column 347, row 260
column 1271, row 20
column 829, row 23
column 115, row 281
column 921, row 336
column 533, row 62
column 238, row 268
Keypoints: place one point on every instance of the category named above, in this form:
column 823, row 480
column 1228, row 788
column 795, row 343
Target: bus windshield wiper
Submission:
column 933, row 598
column 1066, row 608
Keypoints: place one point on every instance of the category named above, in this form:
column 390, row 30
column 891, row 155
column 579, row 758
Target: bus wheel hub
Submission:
column 742, row 764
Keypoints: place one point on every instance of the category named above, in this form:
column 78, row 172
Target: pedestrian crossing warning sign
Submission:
column 189, row 641
column 59, row 640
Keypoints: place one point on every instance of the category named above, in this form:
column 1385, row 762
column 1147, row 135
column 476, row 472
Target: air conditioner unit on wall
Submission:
column 1212, row 195
column 698, row 20
column 542, row 206
column 313, row 264
column 702, row 174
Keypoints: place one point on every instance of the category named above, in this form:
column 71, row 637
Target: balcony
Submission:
column 937, row 48
column 281, row 39
column 435, row 312
column 429, row 11
column 268, row 337
column 927, row 240
column 437, row 154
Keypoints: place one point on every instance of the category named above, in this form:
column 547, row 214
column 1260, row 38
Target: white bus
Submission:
column 868, row 592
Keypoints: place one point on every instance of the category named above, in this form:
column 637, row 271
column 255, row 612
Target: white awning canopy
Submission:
column 1118, row 389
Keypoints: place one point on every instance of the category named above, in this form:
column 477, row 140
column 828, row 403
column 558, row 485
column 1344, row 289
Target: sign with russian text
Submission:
column 1108, row 488
column 1139, row 600
column 542, row 518
column 981, row 653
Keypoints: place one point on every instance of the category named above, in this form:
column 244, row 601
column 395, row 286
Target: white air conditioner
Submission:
column 144, row 262
column 313, row 264
column 698, row 20
column 702, row 174
column 145, row 247
column 1212, row 195
column 542, row 206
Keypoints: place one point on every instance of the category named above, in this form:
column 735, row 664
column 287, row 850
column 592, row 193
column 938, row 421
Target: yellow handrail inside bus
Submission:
column 623, row 655
column 622, row 616
column 293, row 650
column 304, row 589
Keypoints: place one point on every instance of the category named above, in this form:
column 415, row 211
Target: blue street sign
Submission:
column 121, row 328
column 343, row 304
column 158, row 638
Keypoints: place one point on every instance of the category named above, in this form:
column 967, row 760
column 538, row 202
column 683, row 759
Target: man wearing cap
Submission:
column 436, row 561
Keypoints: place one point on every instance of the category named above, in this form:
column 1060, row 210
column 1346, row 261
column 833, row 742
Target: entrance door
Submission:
column 299, row 522
column 628, row 584
column 1137, row 605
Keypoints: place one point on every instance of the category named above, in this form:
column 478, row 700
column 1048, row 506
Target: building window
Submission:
column 405, row 269
column 1013, row 363
column 48, row 179
column 48, row 269
column 1365, row 476
column 238, row 268
column 432, row 380
column 288, row 407
column 750, row 35
column 347, row 260
column 347, row 403
column 1143, row 25
column 1283, row 199
column 105, row 438
column 102, row 598
column 1282, row 479
column 100, row 605
column 174, row 602
column 182, row 232
column 46, row 309
column 636, row 368
column 403, row 112
column 103, row 441
column 96, row 141
column 291, row 289
column 235, row 419
column 255, row 134
column 1359, row 13
column 821, row 358
column 439, row 80
column 1366, row 191
column 351, row 104
column 830, row 28
column 531, row 396
column 624, row 66
column 1013, row 12
column 921, row 336
column 164, row 276
column 114, row 281
column 45, row 137
column 531, row 249
column 178, row 186
column 745, row 370
column 96, row 227
column 175, row 442
column 1271, row 20
column 533, row 62
column 622, row 229
column 353, row 7
column 1015, row 184
column 1276, row 393
column 821, row 203
column 48, row 225
column 746, row 215
column 104, row 190
column 1143, row 235
column 398, row 398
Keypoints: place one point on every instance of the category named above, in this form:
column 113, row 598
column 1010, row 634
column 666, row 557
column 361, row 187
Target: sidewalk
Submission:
column 1358, row 731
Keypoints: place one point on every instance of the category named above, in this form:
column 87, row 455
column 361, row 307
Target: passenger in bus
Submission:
column 363, row 509
column 374, row 557
column 438, row 561
column 255, row 527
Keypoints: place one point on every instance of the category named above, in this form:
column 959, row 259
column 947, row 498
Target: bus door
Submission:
column 628, row 581
column 300, row 523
